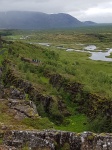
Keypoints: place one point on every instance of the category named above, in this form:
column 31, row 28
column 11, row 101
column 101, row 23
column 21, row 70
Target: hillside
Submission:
column 44, row 89
column 36, row 20
column 89, row 23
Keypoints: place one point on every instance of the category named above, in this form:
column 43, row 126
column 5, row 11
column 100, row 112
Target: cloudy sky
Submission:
column 95, row 10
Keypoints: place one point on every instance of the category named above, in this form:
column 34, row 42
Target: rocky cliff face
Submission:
column 46, row 101
column 98, row 106
column 83, row 99
column 94, row 106
column 57, row 140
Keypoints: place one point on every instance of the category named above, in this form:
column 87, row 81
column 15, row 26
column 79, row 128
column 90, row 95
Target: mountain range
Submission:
column 38, row 20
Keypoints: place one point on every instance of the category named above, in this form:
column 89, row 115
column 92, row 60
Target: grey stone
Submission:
column 54, row 140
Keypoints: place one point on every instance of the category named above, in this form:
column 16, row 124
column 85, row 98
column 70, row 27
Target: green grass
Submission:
column 1, row 141
column 95, row 76
column 77, row 123
column 110, row 56
column 4, row 115
column 39, row 123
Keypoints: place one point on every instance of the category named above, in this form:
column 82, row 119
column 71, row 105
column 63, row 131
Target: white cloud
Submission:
column 101, row 13
column 93, row 10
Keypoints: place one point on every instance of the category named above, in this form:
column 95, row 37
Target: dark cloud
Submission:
column 95, row 10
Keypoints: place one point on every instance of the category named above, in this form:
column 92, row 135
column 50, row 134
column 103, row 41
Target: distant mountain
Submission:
column 89, row 23
column 37, row 20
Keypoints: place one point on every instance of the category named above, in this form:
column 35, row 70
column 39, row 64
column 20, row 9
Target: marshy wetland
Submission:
column 95, row 54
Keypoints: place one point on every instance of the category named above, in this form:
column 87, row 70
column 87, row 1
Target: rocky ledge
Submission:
column 57, row 140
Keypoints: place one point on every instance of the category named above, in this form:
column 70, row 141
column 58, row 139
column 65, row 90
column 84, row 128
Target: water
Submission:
column 94, row 55
column 70, row 49
column 90, row 47
column 79, row 44
column 61, row 47
column 44, row 44
column 101, row 55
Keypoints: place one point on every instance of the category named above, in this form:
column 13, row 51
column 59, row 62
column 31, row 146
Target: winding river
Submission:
column 90, row 48
column 95, row 55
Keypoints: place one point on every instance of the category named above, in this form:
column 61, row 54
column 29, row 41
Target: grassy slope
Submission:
column 95, row 75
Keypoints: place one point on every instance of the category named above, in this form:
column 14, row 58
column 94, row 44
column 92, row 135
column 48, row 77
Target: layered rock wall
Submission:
column 57, row 140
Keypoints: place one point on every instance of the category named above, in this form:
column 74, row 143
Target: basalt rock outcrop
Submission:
column 19, row 109
column 57, row 140
column 28, row 88
column 1, row 91
column 98, row 106
column 42, row 101
column 22, row 109
column 83, row 99
column 11, row 92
